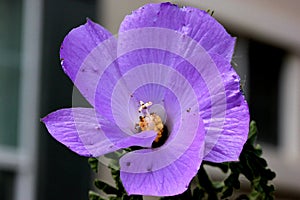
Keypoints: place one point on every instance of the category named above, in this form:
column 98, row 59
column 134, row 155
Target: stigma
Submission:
column 149, row 121
column 144, row 107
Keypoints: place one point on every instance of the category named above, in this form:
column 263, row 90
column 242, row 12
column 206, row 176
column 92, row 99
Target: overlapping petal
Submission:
column 85, row 53
column 202, row 57
column 149, row 177
column 185, row 144
column 80, row 131
column 177, row 58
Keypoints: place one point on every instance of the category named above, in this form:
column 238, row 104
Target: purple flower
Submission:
column 166, row 85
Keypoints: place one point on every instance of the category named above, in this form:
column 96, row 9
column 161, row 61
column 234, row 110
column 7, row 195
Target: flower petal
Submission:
column 167, row 170
column 135, row 78
column 184, row 57
column 162, row 39
column 234, row 135
column 192, row 22
column 79, row 130
column 236, row 125
column 210, row 76
column 185, row 144
column 85, row 53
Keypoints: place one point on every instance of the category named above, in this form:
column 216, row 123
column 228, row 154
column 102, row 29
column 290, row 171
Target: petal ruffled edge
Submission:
column 85, row 53
column 195, row 23
column 231, row 142
column 79, row 43
column 234, row 133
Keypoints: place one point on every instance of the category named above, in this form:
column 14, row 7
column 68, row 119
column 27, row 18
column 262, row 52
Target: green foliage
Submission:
column 105, row 187
column 250, row 165
column 94, row 196
column 113, row 192
column 93, row 164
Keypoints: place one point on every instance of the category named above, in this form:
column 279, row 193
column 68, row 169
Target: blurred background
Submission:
column 35, row 167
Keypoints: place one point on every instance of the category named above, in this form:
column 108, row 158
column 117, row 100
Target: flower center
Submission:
column 151, row 121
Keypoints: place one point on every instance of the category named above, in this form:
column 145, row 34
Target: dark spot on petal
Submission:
column 128, row 164
column 149, row 169
column 188, row 110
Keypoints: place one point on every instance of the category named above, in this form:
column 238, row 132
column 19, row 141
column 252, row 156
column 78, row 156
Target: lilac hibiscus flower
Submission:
column 165, row 85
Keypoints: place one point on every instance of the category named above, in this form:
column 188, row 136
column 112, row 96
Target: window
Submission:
column 260, row 80
column 10, row 23
column 62, row 174
column 270, row 77
column 19, row 55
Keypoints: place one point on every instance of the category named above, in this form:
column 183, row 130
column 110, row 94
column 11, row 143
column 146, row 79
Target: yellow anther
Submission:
column 150, row 121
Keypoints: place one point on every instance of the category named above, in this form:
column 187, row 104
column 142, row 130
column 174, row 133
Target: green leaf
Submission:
column 223, row 166
column 116, row 176
column 94, row 196
column 255, row 168
column 250, row 164
column 93, row 164
column 206, row 184
column 252, row 133
column 105, row 187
